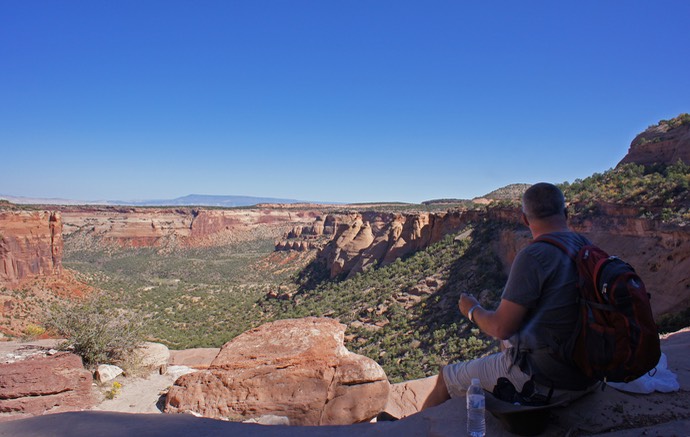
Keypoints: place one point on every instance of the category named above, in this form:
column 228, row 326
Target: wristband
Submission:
column 469, row 313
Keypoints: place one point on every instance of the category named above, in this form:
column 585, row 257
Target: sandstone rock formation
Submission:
column 314, row 235
column 355, row 241
column 660, row 252
column 186, row 227
column 44, row 384
column 152, row 355
column 664, row 143
column 295, row 369
column 30, row 245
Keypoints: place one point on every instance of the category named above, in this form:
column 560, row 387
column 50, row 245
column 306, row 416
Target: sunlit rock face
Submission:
column 664, row 143
column 44, row 384
column 298, row 370
column 30, row 245
column 180, row 227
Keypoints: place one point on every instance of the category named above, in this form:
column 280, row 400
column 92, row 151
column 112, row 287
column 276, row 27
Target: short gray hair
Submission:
column 543, row 200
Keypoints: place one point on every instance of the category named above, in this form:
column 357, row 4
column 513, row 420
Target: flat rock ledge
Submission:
column 43, row 384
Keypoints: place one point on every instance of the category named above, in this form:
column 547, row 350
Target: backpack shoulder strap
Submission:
column 559, row 243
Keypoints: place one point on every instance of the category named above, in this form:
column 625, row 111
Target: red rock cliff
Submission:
column 664, row 143
column 351, row 242
column 30, row 245
column 186, row 227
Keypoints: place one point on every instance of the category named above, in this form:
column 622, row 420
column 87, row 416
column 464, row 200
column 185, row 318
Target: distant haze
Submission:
column 189, row 200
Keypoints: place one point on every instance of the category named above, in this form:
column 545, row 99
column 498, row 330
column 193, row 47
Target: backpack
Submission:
column 616, row 338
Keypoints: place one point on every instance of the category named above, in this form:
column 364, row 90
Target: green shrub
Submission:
column 33, row 331
column 95, row 330
column 673, row 322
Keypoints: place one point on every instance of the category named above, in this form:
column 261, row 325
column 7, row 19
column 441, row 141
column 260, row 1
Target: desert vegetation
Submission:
column 402, row 315
column 681, row 120
column 96, row 330
column 659, row 191
column 189, row 297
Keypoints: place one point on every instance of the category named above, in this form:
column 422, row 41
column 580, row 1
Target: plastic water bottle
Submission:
column 476, row 424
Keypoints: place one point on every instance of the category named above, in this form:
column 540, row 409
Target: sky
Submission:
column 325, row 100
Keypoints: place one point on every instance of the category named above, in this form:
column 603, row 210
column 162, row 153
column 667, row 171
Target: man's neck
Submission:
column 548, row 226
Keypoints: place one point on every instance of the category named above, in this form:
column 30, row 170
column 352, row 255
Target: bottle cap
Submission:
column 475, row 381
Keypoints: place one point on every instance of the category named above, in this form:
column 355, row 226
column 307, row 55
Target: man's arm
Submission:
column 501, row 323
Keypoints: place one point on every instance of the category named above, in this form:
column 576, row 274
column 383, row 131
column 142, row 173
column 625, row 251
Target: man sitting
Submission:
column 537, row 312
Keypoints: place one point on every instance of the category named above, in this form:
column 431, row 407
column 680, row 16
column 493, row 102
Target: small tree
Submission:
column 95, row 330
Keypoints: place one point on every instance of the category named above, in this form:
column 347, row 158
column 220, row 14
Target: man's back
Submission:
column 543, row 279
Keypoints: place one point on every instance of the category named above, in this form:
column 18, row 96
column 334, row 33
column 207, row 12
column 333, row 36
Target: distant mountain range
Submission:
column 189, row 200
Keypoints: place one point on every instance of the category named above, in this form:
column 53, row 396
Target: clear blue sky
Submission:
column 328, row 100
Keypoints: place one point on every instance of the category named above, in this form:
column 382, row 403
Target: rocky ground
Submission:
column 136, row 410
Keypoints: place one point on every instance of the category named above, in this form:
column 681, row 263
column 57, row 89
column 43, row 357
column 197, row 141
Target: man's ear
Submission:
column 565, row 213
column 524, row 219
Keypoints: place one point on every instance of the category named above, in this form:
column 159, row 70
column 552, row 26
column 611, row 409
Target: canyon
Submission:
column 32, row 242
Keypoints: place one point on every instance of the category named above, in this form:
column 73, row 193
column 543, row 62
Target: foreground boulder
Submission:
column 296, row 369
column 44, row 384
column 152, row 356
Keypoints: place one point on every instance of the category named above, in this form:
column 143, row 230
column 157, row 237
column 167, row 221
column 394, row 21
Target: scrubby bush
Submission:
column 33, row 331
column 661, row 190
column 96, row 330
column 673, row 322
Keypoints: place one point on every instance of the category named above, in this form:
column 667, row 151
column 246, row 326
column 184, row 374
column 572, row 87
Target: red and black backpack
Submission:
column 616, row 338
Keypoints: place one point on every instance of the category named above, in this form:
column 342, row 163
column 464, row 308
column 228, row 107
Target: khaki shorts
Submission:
column 458, row 376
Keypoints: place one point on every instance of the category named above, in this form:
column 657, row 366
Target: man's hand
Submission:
column 501, row 323
column 466, row 302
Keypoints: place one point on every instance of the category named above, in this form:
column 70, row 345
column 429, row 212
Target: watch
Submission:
column 469, row 313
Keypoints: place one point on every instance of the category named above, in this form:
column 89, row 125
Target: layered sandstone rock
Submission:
column 664, row 143
column 44, row 384
column 186, row 227
column 352, row 242
column 30, row 245
column 312, row 236
column 294, row 369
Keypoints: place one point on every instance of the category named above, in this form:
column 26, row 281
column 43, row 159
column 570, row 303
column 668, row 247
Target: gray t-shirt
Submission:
column 543, row 279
